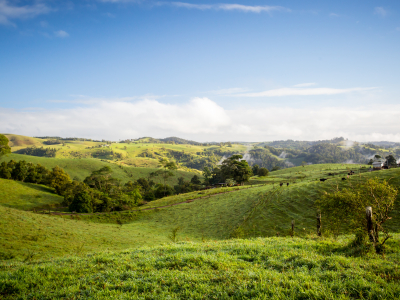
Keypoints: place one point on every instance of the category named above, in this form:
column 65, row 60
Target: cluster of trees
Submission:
column 29, row 172
column 330, row 153
column 264, row 159
column 232, row 170
column 53, row 142
column 35, row 151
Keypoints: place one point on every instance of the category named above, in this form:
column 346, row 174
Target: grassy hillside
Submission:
column 81, row 168
column 263, row 268
column 211, row 217
column 26, row 196
column 19, row 141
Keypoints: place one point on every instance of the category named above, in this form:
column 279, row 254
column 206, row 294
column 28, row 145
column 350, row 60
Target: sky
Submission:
column 201, row 70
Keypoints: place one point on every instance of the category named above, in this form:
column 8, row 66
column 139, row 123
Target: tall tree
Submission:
column 4, row 148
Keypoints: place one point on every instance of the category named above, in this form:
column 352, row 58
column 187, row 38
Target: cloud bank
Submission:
column 202, row 119
column 298, row 91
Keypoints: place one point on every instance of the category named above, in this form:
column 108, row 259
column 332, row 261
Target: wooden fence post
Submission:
column 319, row 224
column 370, row 225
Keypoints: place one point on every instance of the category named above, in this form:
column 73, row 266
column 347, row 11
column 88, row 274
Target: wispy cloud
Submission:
column 333, row 15
column 10, row 11
column 302, row 92
column 229, row 91
column 305, row 84
column 227, row 7
column 61, row 34
column 380, row 11
column 204, row 120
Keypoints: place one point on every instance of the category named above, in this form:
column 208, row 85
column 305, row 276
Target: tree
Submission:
column 20, row 171
column 276, row 168
column 207, row 175
column 101, row 180
column 263, row 172
column 377, row 157
column 345, row 209
column 255, row 169
column 236, row 168
column 58, row 180
column 81, row 203
column 371, row 161
column 391, row 161
column 195, row 180
column 4, row 148
column 167, row 172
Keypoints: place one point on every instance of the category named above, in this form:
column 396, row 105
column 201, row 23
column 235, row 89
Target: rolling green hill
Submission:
column 81, row 168
column 27, row 196
column 207, row 215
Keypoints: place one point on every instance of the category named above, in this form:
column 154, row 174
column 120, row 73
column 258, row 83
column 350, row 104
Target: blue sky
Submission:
column 204, row 70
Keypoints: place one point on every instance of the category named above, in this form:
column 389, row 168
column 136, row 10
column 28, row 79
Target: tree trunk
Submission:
column 370, row 225
column 319, row 233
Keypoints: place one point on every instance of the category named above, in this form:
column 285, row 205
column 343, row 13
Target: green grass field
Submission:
column 81, row 168
column 262, row 268
column 27, row 196
column 92, row 254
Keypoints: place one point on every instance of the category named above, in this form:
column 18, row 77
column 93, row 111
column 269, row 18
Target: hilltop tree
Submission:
column 81, row 203
column 101, row 180
column 4, row 148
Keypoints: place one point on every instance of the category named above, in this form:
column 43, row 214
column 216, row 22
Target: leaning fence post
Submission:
column 319, row 224
column 370, row 225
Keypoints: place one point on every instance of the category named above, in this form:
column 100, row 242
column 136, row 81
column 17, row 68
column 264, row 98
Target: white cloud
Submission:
column 204, row 120
column 305, row 84
column 333, row 15
column 380, row 11
column 227, row 7
column 61, row 34
column 230, row 91
column 302, row 92
column 9, row 11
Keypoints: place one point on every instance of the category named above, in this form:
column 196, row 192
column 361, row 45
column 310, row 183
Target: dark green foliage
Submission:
column 163, row 190
column 53, row 142
column 82, row 203
column 255, row 169
column 234, row 168
column 195, row 180
column 391, row 161
column 4, row 148
column 34, row 151
column 262, row 172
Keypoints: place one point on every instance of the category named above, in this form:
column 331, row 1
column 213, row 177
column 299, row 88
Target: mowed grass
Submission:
column 262, row 268
column 81, row 168
column 26, row 196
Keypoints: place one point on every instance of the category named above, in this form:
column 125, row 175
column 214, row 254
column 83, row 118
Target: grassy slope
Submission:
column 81, row 168
column 26, row 196
column 130, row 152
column 264, row 268
column 215, row 217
